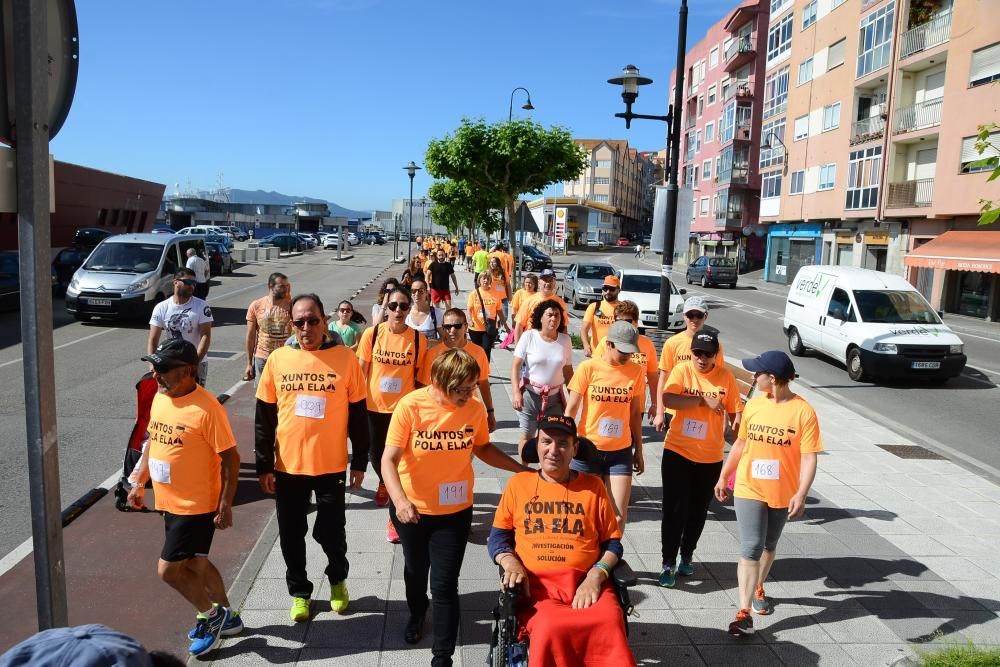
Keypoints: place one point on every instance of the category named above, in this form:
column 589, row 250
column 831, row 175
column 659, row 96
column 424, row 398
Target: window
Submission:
column 777, row 6
column 827, row 176
column 985, row 65
column 770, row 185
column 690, row 146
column 875, row 40
column 779, row 38
column 697, row 142
column 831, row 116
column 801, row 128
column 727, row 124
column 805, row 71
column 809, row 14
column 599, row 198
column 798, row 178
column 713, row 58
column 724, row 89
column 704, row 206
column 706, row 169
column 862, row 178
column 701, row 105
column 970, row 156
column 776, row 93
column 835, row 54
column 715, row 204
column 840, row 306
column 602, row 164
column 711, row 94
column 709, row 132
column 601, row 180
column 836, row 3
column 774, row 155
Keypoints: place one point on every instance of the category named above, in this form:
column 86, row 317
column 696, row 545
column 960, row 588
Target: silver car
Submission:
column 582, row 284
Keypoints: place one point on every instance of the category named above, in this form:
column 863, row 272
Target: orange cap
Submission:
column 612, row 281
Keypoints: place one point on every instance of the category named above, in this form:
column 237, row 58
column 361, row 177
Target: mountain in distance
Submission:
column 238, row 196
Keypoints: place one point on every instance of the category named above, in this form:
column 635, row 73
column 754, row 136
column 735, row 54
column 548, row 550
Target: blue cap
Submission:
column 82, row 646
column 774, row 362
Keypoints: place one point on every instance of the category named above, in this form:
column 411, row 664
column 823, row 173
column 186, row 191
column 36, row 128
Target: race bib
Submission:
column 313, row 407
column 453, row 493
column 610, row 428
column 695, row 428
column 159, row 471
column 390, row 385
column 764, row 469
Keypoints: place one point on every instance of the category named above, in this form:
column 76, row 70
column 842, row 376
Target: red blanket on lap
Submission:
column 561, row 635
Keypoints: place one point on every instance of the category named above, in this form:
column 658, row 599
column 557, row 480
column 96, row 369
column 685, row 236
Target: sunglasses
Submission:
column 608, row 288
column 403, row 306
column 306, row 322
column 186, row 281
column 452, row 327
column 694, row 315
column 419, row 290
column 701, row 354
column 345, row 310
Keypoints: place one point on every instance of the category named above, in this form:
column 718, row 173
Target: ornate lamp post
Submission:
column 411, row 169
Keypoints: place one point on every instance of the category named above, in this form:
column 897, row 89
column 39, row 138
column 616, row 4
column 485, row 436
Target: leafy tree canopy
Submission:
column 990, row 210
column 459, row 205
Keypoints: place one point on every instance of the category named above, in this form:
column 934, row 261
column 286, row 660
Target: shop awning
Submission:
column 959, row 251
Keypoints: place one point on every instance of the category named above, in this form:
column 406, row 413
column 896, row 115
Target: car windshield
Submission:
column 722, row 261
column 130, row 257
column 894, row 306
column 594, row 272
column 530, row 250
column 646, row 284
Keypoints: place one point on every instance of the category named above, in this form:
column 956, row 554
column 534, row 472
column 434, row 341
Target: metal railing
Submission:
column 925, row 36
column 738, row 89
column 868, row 129
column 917, row 116
column 911, row 194
column 742, row 45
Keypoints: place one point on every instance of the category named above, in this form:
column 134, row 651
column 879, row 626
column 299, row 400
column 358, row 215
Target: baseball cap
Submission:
column 695, row 303
column 83, row 646
column 773, row 362
column 547, row 273
column 613, row 281
column 624, row 336
column 706, row 340
column 172, row 353
column 557, row 423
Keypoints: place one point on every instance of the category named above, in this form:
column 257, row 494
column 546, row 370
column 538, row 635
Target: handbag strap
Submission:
column 482, row 306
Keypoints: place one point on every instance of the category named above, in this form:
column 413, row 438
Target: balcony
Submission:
column 918, row 116
column 739, row 89
column 911, row 194
column 932, row 33
column 740, row 52
column 742, row 131
column 867, row 130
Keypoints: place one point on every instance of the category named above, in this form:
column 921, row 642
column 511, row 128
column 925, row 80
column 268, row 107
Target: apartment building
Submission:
column 615, row 178
column 720, row 142
column 874, row 106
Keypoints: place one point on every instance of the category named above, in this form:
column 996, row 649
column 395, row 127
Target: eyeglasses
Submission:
column 463, row 391
column 306, row 322
column 401, row 305
column 694, row 315
column 452, row 327
column 701, row 354
column 186, row 281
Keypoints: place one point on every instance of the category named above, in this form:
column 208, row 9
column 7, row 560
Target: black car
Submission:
column 220, row 260
column 89, row 237
column 67, row 262
column 10, row 281
column 286, row 242
column 534, row 259
column 373, row 238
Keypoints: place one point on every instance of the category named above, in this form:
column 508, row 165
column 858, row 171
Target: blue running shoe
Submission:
column 209, row 632
column 234, row 627
column 667, row 578
column 686, row 568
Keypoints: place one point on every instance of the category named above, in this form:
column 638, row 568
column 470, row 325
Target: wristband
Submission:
column 601, row 565
column 490, row 411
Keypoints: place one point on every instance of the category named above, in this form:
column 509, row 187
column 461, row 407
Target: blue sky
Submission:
column 330, row 98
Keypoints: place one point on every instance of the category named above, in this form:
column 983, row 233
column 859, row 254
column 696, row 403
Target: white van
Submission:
column 876, row 323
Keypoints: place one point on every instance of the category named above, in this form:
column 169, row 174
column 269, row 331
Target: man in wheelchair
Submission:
column 556, row 538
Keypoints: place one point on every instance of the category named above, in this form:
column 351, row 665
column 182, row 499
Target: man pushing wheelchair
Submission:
column 557, row 540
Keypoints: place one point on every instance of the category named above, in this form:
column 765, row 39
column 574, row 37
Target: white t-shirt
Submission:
column 200, row 268
column 544, row 360
column 428, row 327
column 181, row 320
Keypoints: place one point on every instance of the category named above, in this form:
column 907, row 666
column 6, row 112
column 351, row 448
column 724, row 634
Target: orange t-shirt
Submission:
column 599, row 319
column 519, row 297
column 437, row 442
column 776, row 436
column 477, row 353
column 677, row 350
column 499, row 289
column 608, row 392
column 469, row 249
column 391, row 374
column 644, row 358
column 475, row 308
column 186, row 436
column 312, row 390
column 699, row 434
column 274, row 324
column 557, row 526
column 530, row 302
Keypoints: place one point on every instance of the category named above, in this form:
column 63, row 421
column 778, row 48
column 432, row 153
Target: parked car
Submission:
column 594, row 243
column 89, row 237
column 10, row 281
column 623, row 242
column 712, row 271
column 65, row 264
column 582, row 283
column 373, row 238
column 331, row 242
column 643, row 288
column 404, row 236
column 534, row 259
column 220, row 260
column 219, row 238
column 353, row 239
column 285, row 242
column 162, row 229
column 308, row 241
column 236, row 232
column 207, row 233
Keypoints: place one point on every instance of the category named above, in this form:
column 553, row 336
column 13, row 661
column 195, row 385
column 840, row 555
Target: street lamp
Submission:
column 411, row 169
column 518, row 247
column 767, row 145
column 527, row 105
column 630, row 80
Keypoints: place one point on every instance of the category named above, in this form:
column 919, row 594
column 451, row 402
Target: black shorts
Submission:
column 187, row 536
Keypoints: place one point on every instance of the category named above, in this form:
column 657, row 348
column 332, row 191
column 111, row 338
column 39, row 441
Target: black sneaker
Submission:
column 414, row 631
column 743, row 625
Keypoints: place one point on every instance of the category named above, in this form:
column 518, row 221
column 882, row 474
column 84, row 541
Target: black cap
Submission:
column 705, row 340
column 172, row 353
column 557, row 423
column 774, row 362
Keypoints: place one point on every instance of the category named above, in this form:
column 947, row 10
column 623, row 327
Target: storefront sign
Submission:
column 876, row 238
column 847, row 237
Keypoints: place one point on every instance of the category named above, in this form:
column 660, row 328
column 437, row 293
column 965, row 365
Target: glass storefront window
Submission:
column 973, row 294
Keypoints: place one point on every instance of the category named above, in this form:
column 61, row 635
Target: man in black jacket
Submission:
column 311, row 397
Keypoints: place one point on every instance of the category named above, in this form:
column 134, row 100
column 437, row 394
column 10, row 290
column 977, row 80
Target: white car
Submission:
column 643, row 288
column 331, row 241
column 352, row 239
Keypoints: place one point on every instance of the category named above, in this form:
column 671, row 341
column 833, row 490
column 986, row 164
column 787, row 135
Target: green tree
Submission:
column 459, row 205
column 990, row 210
column 508, row 159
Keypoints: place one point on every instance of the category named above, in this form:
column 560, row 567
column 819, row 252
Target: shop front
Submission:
column 789, row 248
column 959, row 272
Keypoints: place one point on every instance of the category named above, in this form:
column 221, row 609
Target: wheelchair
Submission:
column 507, row 648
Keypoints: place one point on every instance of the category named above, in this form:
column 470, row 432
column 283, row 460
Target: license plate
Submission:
column 926, row 364
column 99, row 302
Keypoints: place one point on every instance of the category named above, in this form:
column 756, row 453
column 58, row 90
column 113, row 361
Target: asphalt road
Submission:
column 97, row 365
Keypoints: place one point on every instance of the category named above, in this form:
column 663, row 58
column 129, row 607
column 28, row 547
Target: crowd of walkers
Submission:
column 409, row 387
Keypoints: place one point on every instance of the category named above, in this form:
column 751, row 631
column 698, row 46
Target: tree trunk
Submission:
column 511, row 236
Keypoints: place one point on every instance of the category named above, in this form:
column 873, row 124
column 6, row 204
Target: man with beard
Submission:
column 268, row 324
column 183, row 316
